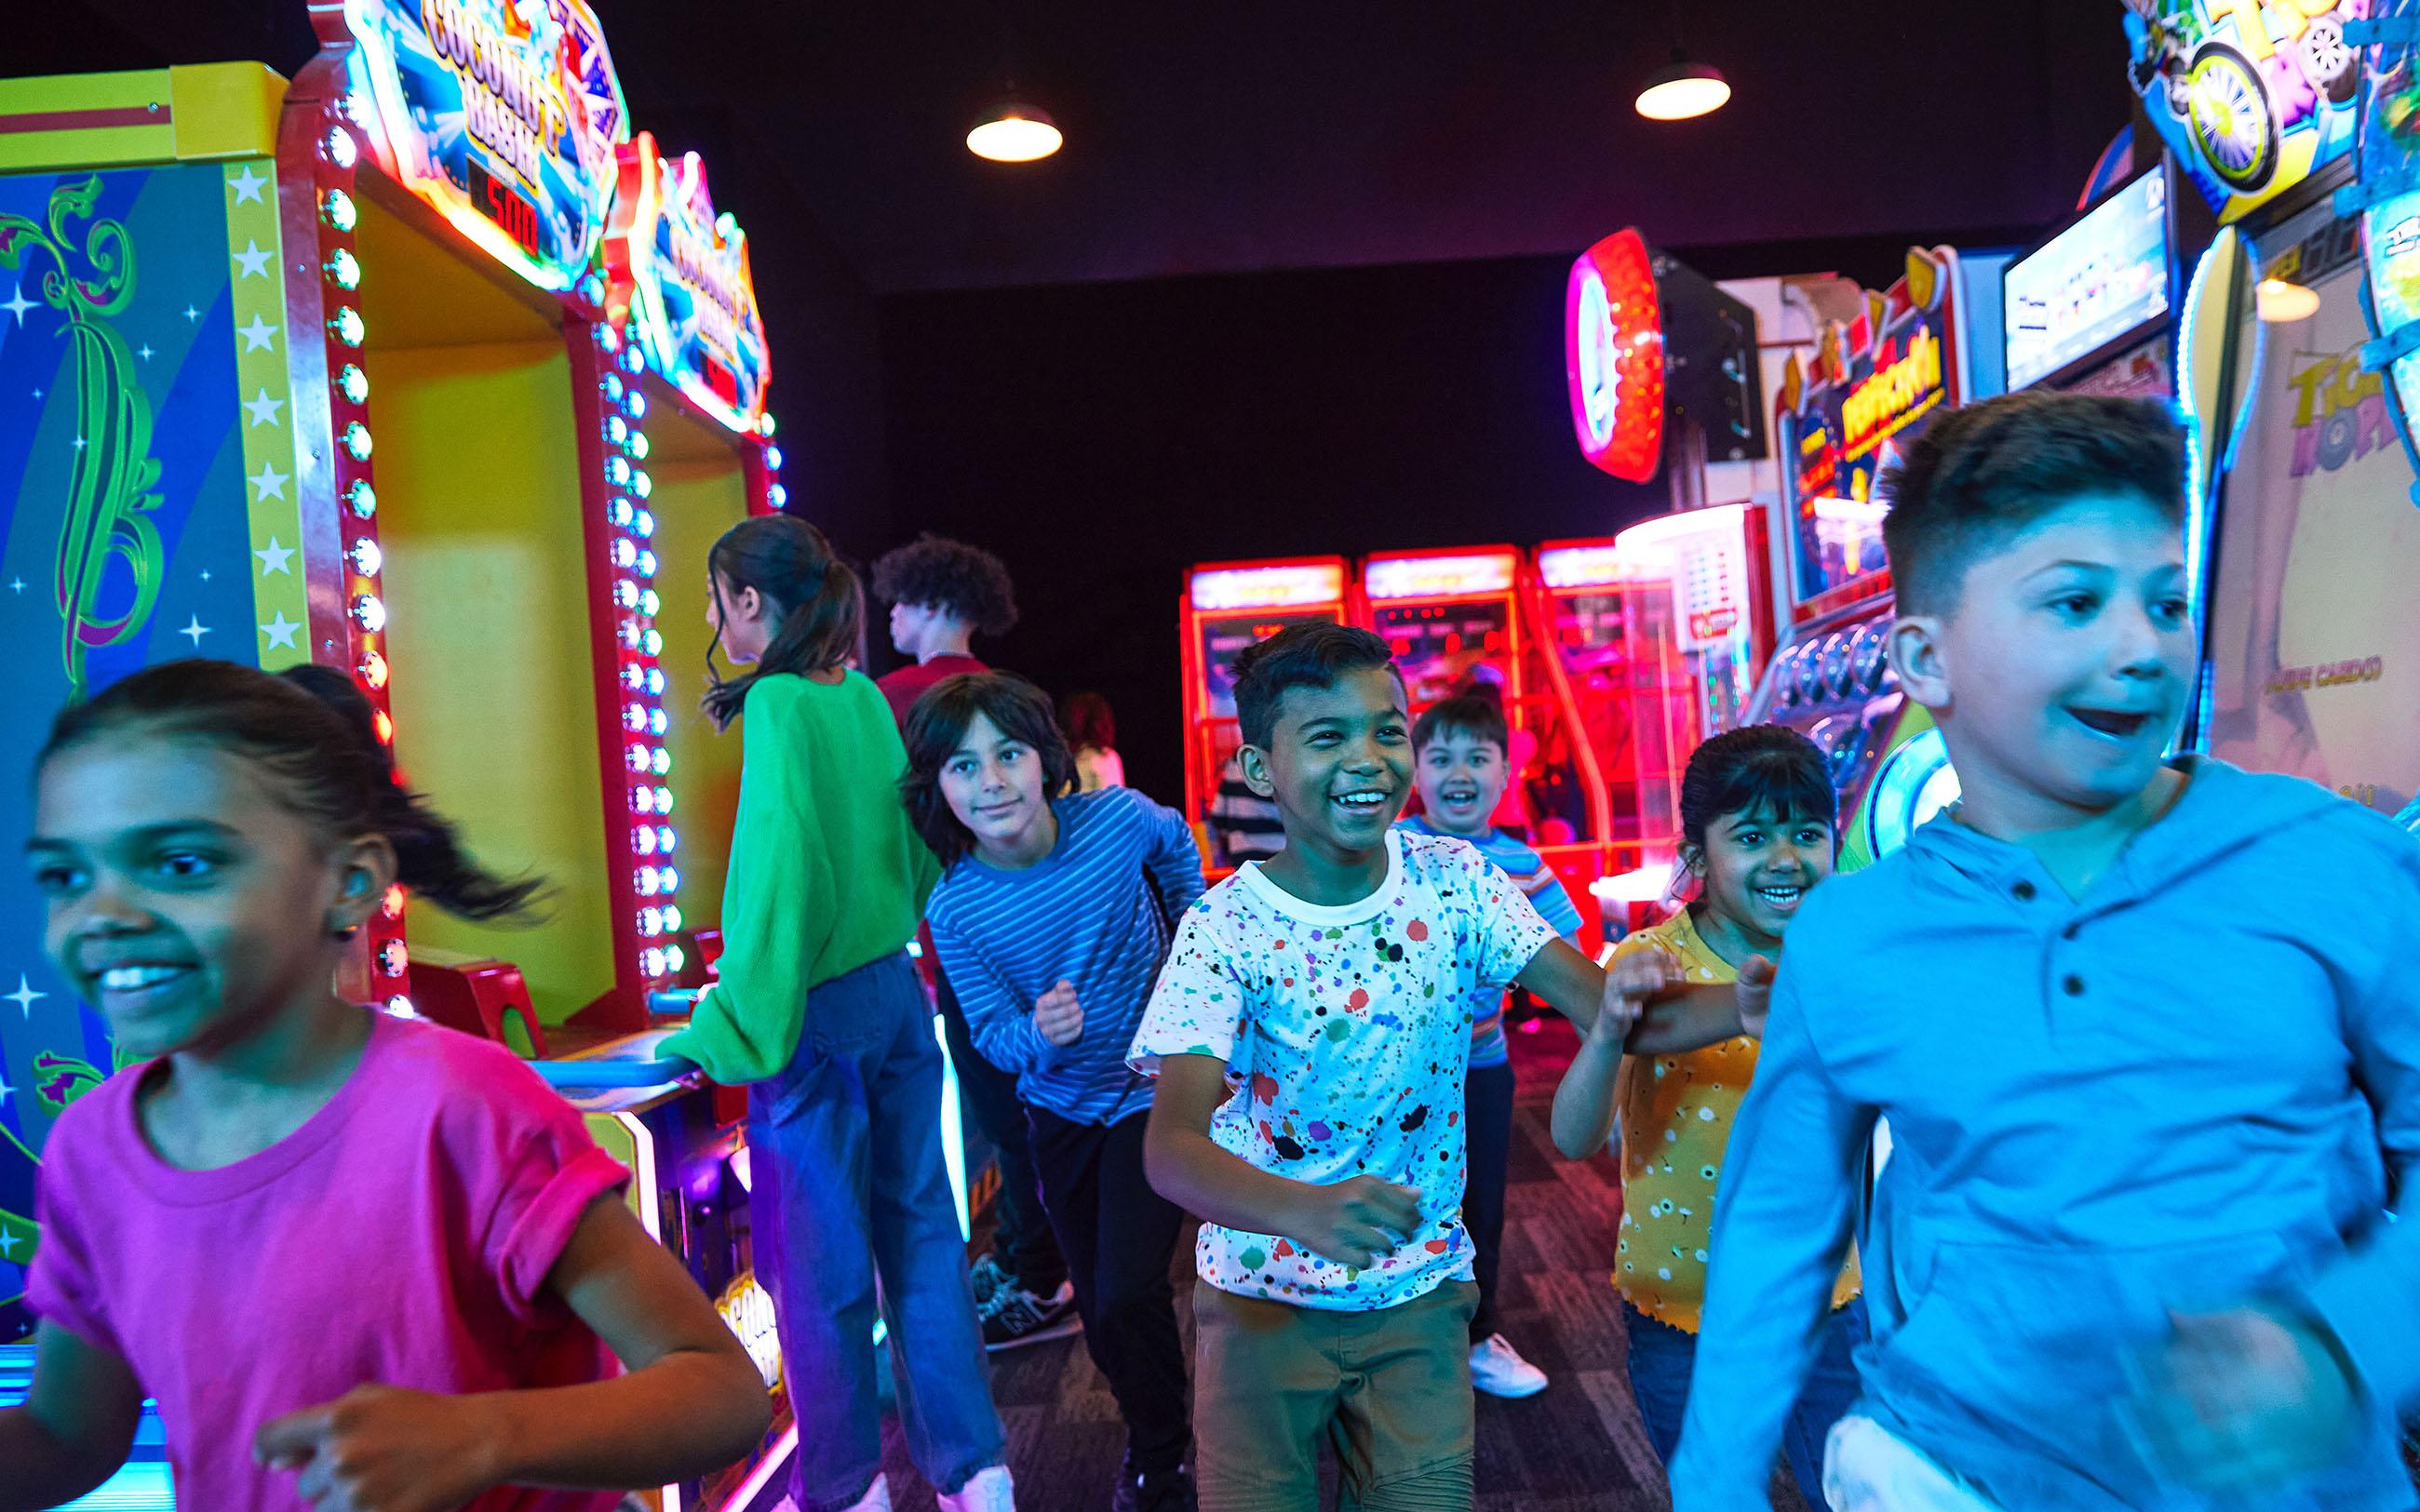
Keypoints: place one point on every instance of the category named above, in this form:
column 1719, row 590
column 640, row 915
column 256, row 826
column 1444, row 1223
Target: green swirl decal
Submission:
column 112, row 484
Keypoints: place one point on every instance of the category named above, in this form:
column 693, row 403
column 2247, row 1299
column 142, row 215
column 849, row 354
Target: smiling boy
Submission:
column 1458, row 763
column 2147, row 1113
column 1310, row 1033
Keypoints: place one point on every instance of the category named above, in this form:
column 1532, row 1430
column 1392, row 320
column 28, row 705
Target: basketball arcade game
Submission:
column 424, row 212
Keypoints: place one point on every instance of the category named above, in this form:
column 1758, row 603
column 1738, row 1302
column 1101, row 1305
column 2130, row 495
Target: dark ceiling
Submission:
column 1276, row 133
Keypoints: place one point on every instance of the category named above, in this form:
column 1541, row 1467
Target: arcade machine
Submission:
column 1875, row 383
column 1664, row 373
column 1459, row 619
column 222, row 286
column 1227, row 606
column 2310, row 536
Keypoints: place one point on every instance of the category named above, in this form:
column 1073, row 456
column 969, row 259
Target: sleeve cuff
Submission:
column 544, row 1229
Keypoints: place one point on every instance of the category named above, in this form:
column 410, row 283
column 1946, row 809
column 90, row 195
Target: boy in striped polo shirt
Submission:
column 1459, row 763
column 1051, row 920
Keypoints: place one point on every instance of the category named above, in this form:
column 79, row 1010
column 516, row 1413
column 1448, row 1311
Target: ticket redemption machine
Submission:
column 2309, row 540
column 1228, row 606
column 1874, row 383
column 343, row 372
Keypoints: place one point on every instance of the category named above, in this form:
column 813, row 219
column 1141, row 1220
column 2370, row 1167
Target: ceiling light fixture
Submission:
column 1014, row 132
column 1682, row 90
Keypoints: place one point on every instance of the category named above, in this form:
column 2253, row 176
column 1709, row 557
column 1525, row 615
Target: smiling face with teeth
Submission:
column 1754, row 869
column 1339, row 764
column 1461, row 775
column 184, row 901
column 2059, row 672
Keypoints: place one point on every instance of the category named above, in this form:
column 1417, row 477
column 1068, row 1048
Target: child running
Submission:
column 1309, row 1033
column 1756, row 836
column 1051, row 920
column 359, row 1261
column 2131, row 1246
column 1459, row 763
column 819, row 1013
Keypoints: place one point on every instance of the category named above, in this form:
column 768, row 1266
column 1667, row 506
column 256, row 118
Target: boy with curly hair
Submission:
column 942, row 593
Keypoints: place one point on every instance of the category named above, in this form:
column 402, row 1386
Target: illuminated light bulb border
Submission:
column 335, row 274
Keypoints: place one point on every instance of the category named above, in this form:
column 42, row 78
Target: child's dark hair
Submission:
column 1300, row 656
column 311, row 728
column 937, row 727
column 1087, row 719
column 1760, row 769
column 822, row 611
column 1994, row 467
column 963, row 581
column 1479, row 718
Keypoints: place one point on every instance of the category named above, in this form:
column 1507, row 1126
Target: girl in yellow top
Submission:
column 1757, row 831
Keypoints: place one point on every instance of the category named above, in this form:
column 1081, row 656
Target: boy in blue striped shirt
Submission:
column 1051, row 920
column 1459, row 762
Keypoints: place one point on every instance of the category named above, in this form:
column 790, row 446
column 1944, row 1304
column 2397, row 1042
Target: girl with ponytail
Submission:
column 818, row 1011
column 359, row 1260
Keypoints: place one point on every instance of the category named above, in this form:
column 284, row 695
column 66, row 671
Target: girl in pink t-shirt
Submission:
column 360, row 1262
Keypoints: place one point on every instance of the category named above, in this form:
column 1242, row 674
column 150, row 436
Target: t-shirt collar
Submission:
column 1363, row 908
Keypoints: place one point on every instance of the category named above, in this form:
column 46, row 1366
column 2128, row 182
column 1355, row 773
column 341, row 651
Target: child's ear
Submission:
column 1915, row 648
column 365, row 869
column 1693, row 858
column 1254, row 763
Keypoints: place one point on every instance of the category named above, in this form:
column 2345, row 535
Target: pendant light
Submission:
column 1681, row 90
column 1014, row 132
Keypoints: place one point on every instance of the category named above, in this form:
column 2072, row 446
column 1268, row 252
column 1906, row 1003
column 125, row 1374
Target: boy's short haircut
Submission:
column 1300, row 656
column 1478, row 717
column 937, row 727
column 1979, row 475
column 965, row 581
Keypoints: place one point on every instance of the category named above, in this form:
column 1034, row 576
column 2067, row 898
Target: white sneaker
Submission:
column 876, row 1497
column 1497, row 1369
column 991, row 1490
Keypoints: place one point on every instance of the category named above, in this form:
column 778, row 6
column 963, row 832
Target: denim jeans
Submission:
column 851, row 1186
column 1662, row 1358
column 1487, row 1124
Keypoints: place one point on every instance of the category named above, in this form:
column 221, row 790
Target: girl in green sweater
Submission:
column 819, row 1013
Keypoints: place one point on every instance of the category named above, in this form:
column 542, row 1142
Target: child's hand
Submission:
column 1636, row 979
column 1358, row 1220
column 1756, row 976
column 382, row 1449
column 2244, row 1399
column 1057, row 1016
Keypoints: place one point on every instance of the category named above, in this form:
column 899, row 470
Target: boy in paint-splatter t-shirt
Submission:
column 1310, row 1033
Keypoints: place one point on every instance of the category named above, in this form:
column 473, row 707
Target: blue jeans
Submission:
column 850, row 1185
column 1662, row 1358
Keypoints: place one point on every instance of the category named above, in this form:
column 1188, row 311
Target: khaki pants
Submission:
column 1391, row 1389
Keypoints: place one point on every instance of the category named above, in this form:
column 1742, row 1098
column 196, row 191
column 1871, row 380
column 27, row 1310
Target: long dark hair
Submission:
column 937, row 727
column 820, row 608
column 311, row 728
column 1088, row 721
column 1758, row 768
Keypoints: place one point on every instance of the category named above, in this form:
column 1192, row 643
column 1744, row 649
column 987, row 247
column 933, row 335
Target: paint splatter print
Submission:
column 1342, row 1029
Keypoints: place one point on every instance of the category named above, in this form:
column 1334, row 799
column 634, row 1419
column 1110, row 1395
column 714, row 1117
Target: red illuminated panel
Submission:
column 1613, row 354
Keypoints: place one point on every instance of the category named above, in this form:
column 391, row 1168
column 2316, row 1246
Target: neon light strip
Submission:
column 953, row 1150
column 642, row 1145
column 1489, row 572
column 1227, row 588
column 775, row 1459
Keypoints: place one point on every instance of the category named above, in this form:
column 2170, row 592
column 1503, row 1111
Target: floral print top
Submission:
column 1346, row 1036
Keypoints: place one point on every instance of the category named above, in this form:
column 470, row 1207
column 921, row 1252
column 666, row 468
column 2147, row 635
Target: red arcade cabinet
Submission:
column 1227, row 606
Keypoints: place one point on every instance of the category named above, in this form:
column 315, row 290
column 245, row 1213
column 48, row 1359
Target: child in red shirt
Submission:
column 360, row 1262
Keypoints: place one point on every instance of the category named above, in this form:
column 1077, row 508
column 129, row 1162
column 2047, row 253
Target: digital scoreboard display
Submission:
column 502, row 201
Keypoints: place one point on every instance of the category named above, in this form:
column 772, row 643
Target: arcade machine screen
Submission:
column 1447, row 618
column 1227, row 607
column 2088, row 310
column 2314, row 630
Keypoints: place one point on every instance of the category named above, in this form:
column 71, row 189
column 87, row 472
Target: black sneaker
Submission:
column 1168, row 1491
column 1016, row 1316
column 988, row 1275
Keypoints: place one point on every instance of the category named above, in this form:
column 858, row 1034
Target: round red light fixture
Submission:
column 1613, row 356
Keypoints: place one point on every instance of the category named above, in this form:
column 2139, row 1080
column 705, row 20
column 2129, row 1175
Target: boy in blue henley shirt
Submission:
column 2149, row 1098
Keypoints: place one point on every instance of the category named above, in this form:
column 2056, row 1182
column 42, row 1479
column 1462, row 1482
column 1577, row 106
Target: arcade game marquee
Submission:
column 442, row 248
